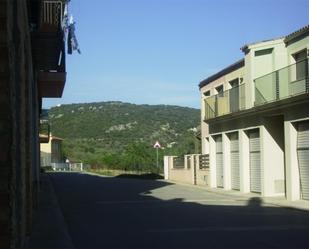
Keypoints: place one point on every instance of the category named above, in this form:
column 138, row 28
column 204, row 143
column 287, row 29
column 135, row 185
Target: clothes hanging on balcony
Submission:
column 72, row 41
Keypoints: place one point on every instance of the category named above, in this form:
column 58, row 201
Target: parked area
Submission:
column 90, row 211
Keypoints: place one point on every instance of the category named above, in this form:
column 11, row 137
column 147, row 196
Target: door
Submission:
column 303, row 158
column 219, row 161
column 255, row 161
column 234, row 147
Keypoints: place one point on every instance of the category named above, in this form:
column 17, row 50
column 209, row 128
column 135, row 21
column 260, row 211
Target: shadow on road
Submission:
column 103, row 212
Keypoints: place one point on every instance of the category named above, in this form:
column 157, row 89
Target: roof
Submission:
column 230, row 68
column 296, row 35
column 245, row 47
column 56, row 138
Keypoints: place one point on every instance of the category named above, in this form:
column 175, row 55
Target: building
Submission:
column 255, row 119
column 51, row 152
column 32, row 67
column 255, row 123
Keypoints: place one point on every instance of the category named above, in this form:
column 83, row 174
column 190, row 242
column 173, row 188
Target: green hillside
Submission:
column 95, row 132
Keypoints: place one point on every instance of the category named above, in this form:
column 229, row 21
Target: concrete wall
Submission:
column 224, row 80
column 257, row 66
column 192, row 175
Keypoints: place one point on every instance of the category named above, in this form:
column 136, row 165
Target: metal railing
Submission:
column 178, row 162
column 204, row 161
column 229, row 101
column 52, row 12
column 284, row 83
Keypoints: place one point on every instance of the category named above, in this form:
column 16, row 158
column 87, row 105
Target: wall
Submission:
column 239, row 73
column 19, row 126
column 192, row 175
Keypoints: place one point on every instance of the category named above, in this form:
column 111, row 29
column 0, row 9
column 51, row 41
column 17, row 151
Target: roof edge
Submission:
column 238, row 64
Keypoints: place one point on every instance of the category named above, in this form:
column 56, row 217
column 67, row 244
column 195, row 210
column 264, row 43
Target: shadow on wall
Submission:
column 109, row 212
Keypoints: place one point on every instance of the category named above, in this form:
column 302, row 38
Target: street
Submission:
column 110, row 212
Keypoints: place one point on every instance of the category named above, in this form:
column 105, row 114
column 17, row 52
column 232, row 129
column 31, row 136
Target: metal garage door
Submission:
column 234, row 147
column 219, row 161
column 303, row 157
column 255, row 161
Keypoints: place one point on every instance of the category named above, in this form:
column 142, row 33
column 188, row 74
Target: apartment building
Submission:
column 32, row 67
column 255, row 119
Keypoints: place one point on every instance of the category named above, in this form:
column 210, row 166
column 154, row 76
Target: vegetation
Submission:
column 116, row 135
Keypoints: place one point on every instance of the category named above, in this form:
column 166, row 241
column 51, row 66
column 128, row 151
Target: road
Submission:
column 105, row 212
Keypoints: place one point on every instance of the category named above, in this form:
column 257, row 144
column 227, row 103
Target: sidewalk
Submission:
column 277, row 201
column 49, row 228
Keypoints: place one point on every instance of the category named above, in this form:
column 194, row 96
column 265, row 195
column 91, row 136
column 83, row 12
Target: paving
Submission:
column 110, row 212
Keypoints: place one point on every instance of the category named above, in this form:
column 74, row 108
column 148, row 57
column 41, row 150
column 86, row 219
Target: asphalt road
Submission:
column 104, row 212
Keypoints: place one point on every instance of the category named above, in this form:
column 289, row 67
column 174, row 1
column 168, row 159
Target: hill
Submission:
column 93, row 129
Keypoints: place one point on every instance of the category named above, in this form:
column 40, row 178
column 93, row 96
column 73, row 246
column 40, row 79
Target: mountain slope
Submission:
column 112, row 126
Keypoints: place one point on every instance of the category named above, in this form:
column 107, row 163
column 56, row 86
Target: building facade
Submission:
column 255, row 119
column 51, row 152
column 32, row 67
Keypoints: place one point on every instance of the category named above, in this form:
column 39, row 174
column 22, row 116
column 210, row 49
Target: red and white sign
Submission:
column 157, row 145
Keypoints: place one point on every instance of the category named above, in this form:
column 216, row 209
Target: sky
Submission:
column 157, row 51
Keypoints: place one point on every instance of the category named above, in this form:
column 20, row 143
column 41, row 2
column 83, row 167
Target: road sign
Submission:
column 157, row 145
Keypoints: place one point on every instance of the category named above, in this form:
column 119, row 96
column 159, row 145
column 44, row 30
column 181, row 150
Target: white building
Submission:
column 255, row 119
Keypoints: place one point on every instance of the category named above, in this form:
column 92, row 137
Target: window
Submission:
column 301, row 64
column 234, row 83
column 263, row 52
column 219, row 90
column 207, row 93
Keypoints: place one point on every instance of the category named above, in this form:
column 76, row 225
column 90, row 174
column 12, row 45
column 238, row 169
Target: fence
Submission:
column 191, row 169
column 178, row 162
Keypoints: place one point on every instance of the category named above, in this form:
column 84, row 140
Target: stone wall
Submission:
column 19, row 111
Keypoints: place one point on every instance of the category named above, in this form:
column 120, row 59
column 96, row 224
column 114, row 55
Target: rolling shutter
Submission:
column 303, row 158
column 219, row 161
column 234, row 147
column 255, row 161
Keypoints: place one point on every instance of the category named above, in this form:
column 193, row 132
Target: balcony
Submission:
column 282, row 84
column 48, row 49
column 229, row 101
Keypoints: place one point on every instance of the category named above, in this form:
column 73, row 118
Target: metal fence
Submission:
column 204, row 161
column 283, row 83
column 229, row 101
column 179, row 162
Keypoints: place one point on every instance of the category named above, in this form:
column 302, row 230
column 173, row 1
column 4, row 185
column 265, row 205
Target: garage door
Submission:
column 219, row 161
column 303, row 158
column 255, row 161
column 234, row 147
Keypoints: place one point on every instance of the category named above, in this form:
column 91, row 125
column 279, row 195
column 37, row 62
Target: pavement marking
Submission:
column 231, row 229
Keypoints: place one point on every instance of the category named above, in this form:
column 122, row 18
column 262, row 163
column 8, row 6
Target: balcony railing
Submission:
column 229, row 101
column 51, row 13
column 284, row 83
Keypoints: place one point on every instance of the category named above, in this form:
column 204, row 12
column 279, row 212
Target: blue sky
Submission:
column 157, row 51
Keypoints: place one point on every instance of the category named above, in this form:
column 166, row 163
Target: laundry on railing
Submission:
column 72, row 41
column 68, row 27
